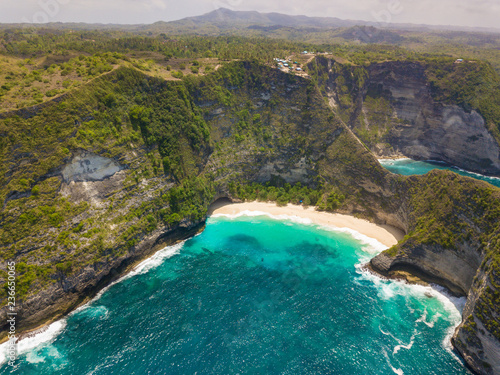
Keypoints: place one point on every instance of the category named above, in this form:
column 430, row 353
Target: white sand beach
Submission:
column 384, row 234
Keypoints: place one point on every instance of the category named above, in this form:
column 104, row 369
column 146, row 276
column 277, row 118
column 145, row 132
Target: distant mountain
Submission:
column 223, row 20
column 316, row 30
column 370, row 34
column 223, row 17
column 229, row 17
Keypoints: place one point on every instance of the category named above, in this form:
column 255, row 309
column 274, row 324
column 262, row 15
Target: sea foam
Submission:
column 387, row 289
column 294, row 218
column 390, row 288
column 392, row 161
column 145, row 266
column 47, row 334
column 454, row 306
column 41, row 337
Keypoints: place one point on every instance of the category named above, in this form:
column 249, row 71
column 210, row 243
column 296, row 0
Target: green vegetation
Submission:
column 439, row 193
column 472, row 85
column 272, row 191
column 118, row 115
column 440, row 217
column 189, row 200
column 187, row 125
column 33, row 42
column 26, row 82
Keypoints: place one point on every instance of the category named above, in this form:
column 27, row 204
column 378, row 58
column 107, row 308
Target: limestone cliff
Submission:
column 391, row 107
column 477, row 336
column 456, row 247
column 394, row 109
column 92, row 184
column 115, row 188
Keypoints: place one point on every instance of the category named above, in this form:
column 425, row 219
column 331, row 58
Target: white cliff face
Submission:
column 448, row 133
column 417, row 126
column 89, row 167
column 91, row 178
column 458, row 270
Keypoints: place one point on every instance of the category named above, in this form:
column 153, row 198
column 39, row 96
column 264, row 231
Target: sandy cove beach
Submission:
column 384, row 234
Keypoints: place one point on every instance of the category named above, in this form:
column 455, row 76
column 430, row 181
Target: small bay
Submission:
column 261, row 296
column 410, row 167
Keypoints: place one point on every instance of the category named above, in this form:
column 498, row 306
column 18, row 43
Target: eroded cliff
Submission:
column 457, row 247
column 393, row 108
column 127, row 163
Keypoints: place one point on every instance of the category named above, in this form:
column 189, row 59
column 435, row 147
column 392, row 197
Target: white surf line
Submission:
column 463, row 170
column 444, row 164
column 388, row 288
column 478, row 174
column 389, row 334
column 393, row 160
column 423, row 319
column 146, row 265
column 43, row 336
column 253, row 213
column 374, row 246
column 457, row 302
column 47, row 334
column 401, row 344
column 407, row 346
column 391, row 287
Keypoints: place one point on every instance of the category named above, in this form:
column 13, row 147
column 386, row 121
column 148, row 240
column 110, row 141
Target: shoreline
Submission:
column 385, row 234
column 175, row 238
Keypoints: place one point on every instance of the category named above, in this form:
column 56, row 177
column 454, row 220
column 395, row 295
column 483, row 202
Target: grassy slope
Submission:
column 444, row 210
column 48, row 234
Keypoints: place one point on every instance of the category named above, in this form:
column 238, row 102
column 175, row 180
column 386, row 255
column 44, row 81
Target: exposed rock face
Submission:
column 447, row 136
column 431, row 131
column 93, row 191
column 459, row 271
column 116, row 189
column 479, row 347
column 465, row 264
column 87, row 166
column 474, row 341
column 392, row 110
column 454, row 269
column 91, row 178
column 69, row 291
column 304, row 143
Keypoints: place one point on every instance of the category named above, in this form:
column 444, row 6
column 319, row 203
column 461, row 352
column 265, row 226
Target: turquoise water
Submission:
column 409, row 167
column 253, row 295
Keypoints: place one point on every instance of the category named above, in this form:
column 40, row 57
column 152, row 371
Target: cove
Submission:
column 410, row 167
column 255, row 295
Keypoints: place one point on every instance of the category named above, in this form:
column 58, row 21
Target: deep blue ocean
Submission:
column 253, row 295
column 409, row 167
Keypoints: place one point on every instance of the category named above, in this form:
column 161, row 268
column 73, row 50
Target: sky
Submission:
column 475, row 13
